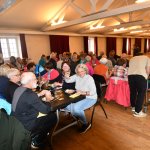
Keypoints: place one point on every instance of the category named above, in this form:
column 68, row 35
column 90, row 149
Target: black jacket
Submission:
column 28, row 107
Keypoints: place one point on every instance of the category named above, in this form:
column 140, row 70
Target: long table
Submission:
column 61, row 100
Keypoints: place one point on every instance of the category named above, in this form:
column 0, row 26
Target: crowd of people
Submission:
column 20, row 77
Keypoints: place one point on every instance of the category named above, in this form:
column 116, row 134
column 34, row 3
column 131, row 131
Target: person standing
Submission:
column 138, row 72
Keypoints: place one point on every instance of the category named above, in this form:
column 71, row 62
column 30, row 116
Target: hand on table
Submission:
column 47, row 94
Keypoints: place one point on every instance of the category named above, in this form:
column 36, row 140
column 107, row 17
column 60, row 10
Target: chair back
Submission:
column 99, row 81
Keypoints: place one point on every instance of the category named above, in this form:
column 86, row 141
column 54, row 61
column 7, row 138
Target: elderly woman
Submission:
column 14, row 80
column 89, row 65
column 102, row 69
column 84, row 88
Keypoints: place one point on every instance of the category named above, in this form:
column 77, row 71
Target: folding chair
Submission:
column 100, row 82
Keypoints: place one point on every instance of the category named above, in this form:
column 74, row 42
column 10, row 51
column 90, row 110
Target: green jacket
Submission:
column 13, row 136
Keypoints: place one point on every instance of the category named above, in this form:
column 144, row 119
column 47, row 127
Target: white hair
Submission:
column 83, row 66
column 26, row 77
column 12, row 72
column 103, row 60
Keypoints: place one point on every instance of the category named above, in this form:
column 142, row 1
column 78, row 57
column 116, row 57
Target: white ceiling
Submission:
column 36, row 16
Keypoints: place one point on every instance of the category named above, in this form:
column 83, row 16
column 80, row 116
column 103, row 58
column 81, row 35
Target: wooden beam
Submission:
column 128, row 31
column 93, row 6
column 100, row 15
column 142, row 15
column 118, row 19
column 78, row 9
column 106, row 5
column 59, row 12
column 125, row 25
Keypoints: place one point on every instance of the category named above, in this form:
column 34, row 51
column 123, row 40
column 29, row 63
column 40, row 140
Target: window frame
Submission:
column 18, row 45
column 89, row 50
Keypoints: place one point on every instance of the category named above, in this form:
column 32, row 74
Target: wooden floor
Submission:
column 121, row 131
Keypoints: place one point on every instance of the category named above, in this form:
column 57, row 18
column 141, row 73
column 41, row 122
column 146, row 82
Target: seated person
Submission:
column 94, row 60
column 120, row 70
column 85, row 85
column 89, row 65
column 52, row 75
column 13, row 136
column 102, row 69
column 4, row 81
column 65, row 68
column 36, row 69
column 14, row 80
column 31, row 67
column 29, row 109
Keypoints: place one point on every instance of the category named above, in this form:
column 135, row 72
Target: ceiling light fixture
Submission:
column 54, row 23
column 96, row 27
column 134, row 27
column 138, row 31
column 121, row 29
column 141, row 1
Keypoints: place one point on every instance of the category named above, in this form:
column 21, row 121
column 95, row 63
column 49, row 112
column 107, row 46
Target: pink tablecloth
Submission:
column 118, row 90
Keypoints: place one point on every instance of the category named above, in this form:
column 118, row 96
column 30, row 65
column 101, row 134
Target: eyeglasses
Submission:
column 80, row 71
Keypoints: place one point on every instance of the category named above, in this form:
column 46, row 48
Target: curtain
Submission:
column 95, row 46
column 85, row 38
column 110, row 44
column 138, row 42
column 124, row 45
column 145, row 45
column 59, row 43
column 0, row 48
column 23, row 46
column 129, row 46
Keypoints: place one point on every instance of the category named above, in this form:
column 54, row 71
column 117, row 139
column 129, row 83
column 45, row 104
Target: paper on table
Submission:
column 74, row 95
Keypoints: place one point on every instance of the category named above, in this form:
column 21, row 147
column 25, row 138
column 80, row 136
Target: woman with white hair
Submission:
column 102, row 69
column 84, row 85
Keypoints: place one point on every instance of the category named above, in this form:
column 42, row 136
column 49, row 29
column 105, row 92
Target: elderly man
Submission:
column 29, row 109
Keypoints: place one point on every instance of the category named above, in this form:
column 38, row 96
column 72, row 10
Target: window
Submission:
column 147, row 45
column 10, row 46
column 91, row 45
column 127, row 46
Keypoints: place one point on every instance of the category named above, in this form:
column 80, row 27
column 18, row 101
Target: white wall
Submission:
column 119, row 42
column 132, row 45
column 76, row 44
column 142, row 45
column 37, row 45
